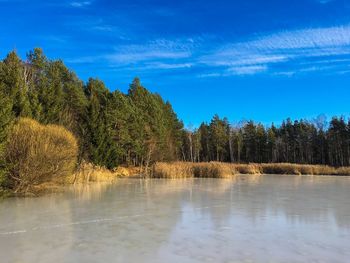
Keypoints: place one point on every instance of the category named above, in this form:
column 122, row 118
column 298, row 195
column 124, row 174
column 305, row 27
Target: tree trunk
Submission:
column 231, row 150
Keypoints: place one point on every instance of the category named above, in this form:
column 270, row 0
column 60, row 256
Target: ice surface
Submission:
column 246, row 219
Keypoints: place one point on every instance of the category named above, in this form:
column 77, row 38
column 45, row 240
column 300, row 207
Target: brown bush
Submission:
column 36, row 153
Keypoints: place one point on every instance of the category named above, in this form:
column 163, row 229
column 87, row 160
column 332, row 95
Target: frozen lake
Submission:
column 246, row 219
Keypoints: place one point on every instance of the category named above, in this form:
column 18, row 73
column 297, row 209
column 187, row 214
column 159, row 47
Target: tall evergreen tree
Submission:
column 102, row 149
column 12, row 77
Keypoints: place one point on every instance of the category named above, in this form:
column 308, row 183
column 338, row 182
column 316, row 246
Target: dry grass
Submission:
column 173, row 170
column 226, row 170
column 303, row 169
column 91, row 173
column 88, row 173
column 188, row 170
column 341, row 171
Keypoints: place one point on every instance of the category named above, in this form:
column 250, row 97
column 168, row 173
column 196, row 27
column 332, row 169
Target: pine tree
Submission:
column 6, row 118
column 219, row 130
column 13, row 81
column 100, row 145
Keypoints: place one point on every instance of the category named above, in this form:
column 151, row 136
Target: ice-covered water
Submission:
column 246, row 219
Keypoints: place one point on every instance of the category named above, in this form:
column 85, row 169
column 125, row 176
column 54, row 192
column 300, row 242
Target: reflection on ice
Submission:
column 246, row 218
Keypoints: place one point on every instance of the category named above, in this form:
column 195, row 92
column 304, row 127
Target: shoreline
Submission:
column 90, row 174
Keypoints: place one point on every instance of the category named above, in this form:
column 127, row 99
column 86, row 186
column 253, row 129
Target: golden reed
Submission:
column 224, row 170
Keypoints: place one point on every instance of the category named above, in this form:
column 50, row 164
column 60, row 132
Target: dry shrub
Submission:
column 38, row 153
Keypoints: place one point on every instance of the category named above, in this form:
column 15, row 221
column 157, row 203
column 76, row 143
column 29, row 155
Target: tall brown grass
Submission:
column 89, row 173
column 187, row 169
column 38, row 153
column 224, row 170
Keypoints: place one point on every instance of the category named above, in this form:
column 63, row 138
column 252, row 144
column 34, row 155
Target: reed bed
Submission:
column 226, row 170
column 173, row 170
column 88, row 173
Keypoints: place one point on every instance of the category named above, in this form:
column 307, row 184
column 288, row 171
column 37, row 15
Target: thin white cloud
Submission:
column 156, row 51
column 157, row 54
column 304, row 38
column 158, row 65
column 80, row 3
column 247, row 70
column 234, row 58
column 282, row 53
column 144, row 55
column 105, row 28
column 235, row 71
column 99, row 26
column 286, row 47
column 327, row 69
column 209, row 75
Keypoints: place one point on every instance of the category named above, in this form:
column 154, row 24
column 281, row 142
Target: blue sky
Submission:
column 252, row 59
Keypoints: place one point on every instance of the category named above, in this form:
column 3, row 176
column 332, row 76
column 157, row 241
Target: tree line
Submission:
column 138, row 127
column 112, row 128
column 300, row 141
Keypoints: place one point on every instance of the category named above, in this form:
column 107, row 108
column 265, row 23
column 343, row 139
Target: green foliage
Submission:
column 159, row 129
column 218, row 130
column 15, row 85
column 6, row 118
column 100, row 145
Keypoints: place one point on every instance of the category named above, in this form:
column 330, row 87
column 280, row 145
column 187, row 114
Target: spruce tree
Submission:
column 12, row 77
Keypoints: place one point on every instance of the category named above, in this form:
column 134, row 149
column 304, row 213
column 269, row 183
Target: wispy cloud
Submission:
column 286, row 48
column 157, row 65
column 145, row 55
column 89, row 25
column 160, row 54
column 280, row 53
column 304, row 38
column 80, row 3
column 236, row 71
column 247, row 70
